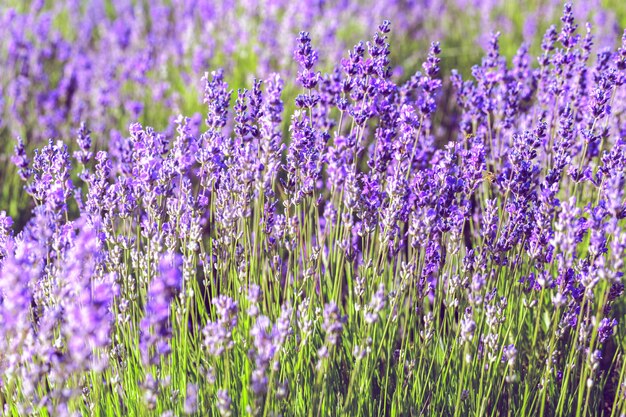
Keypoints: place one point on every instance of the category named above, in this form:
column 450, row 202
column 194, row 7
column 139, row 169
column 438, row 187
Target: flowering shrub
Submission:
column 350, row 264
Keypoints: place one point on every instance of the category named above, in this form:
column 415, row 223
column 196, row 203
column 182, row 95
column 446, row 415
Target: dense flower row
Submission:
column 348, row 266
column 108, row 62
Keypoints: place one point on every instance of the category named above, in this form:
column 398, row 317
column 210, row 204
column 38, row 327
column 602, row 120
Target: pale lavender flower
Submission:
column 218, row 335
column 224, row 403
column 606, row 328
column 190, row 405
column 468, row 326
column 509, row 355
column 332, row 324
column 156, row 326
column 376, row 305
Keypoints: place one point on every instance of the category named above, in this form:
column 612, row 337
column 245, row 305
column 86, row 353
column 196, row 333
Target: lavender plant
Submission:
column 355, row 263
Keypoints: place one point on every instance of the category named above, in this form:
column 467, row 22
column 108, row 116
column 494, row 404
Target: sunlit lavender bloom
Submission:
column 216, row 96
column 90, row 323
column 223, row 403
column 468, row 326
column 332, row 324
column 264, row 351
column 6, row 223
column 267, row 342
column 566, row 37
column 191, row 400
column 218, row 335
column 509, row 355
column 226, row 309
column 606, row 328
column 20, row 159
column 156, row 326
column 83, row 140
column 150, row 388
column 254, row 293
column 307, row 57
column 376, row 305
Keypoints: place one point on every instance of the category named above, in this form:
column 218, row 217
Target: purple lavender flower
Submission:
column 218, row 335
column 376, row 305
column 509, row 355
column 6, row 223
column 566, row 37
column 84, row 154
column 191, row 400
column 605, row 329
column 332, row 324
column 20, row 159
column 224, row 403
column 155, row 326
column 468, row 326
column 216, row 96
column 306, row 57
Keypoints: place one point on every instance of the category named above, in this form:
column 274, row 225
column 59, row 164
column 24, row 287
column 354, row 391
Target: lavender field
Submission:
column 317, row 208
